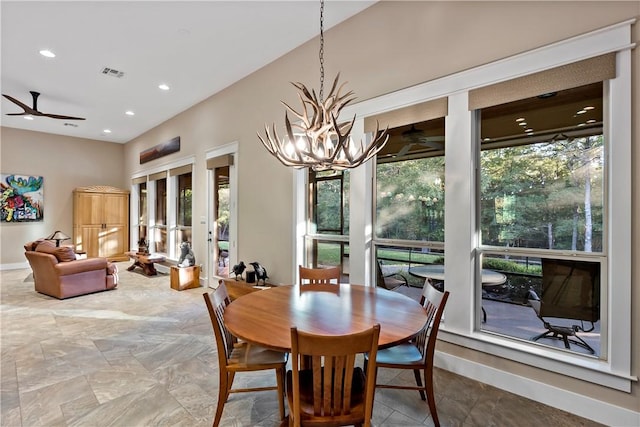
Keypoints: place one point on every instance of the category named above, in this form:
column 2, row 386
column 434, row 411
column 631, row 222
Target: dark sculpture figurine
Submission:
column 238, row 269
column 261, row 272
column 143, row 246
column 187, row 259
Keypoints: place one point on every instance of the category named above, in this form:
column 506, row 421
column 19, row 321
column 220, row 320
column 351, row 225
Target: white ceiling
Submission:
column 196, row 47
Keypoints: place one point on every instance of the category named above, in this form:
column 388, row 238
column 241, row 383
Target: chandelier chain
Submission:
column 321, row 51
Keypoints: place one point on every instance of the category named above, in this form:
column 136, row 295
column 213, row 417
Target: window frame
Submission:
column 173, row 250
column 176, row 226
column 312, row 237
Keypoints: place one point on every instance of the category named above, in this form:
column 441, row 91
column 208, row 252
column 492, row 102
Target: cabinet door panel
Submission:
column 116, row 209
column 113, row 241
column 88, row 240
column 89, row 209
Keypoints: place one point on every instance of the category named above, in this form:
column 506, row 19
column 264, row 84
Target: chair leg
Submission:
column 428, row 381
column 280, row 381
column 223, row 395
column 416, row 373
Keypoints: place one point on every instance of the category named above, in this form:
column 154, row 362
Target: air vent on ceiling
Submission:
column 111, row 72
column 73, row 125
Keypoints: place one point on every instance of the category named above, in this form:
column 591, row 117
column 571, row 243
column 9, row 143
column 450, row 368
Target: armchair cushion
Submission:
column 31, row 246
column 62, row 253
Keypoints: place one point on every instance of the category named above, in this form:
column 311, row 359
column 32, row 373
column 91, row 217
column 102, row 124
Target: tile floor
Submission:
column 144, row 355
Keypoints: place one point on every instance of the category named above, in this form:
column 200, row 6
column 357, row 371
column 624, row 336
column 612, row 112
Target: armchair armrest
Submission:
column 78, row 266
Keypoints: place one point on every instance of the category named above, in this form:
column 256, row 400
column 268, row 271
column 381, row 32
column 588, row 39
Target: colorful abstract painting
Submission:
column 21, row 198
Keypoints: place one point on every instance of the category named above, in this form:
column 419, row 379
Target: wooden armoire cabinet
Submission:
column 101, row 222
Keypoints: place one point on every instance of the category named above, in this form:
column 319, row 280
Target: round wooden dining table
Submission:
column 267, row 316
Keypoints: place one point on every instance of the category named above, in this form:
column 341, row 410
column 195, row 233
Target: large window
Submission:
column 409, row 201
column 162, row 209
column 183, row 209
column 143, row 221
column 328, row 224
column 222, row 216
column 160, row 221
column 542, row 197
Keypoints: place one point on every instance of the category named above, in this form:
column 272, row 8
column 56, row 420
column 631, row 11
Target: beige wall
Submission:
column 65, row 163
column 390, row 46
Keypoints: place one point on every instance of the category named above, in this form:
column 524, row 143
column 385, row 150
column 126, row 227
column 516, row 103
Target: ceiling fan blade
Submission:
column 404, row 150
column 26, row 108
column 34, row 111
column 435, row 142
column 58, row 116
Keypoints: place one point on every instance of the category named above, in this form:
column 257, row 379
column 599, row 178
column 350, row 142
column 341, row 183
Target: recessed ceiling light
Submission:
column 520, row 119
column 106, row 131
column 130, row 113
column 164, row 86
column 28, row 117
column 522, row 123
column 528, row 130
column 581, row 124
column 581, row 112
column 591, row 121
column 487, row 139
column 47, row 53
column 588, row 108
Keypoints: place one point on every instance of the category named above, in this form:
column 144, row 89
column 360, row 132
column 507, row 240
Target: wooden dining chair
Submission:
column 332, row 288
column 417, row 354
column 234, row 356
column 338, row 393
column 319, row 276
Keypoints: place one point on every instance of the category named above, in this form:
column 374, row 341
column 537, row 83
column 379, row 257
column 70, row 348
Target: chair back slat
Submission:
column 318, row 390
column 319, row 276
column 433, row 302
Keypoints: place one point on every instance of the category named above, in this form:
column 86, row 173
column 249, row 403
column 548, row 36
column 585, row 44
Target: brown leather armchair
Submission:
column 57, row 273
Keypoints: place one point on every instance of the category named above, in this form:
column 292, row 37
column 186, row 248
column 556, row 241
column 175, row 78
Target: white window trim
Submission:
column 461, row 241
column 223, row 150
column 173, row 252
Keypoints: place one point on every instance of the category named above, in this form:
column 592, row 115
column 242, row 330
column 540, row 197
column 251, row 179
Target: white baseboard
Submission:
column 583, row 406
column 164, row 269
column 14, row 266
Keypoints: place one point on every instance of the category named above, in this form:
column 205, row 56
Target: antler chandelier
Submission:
column 317, row 140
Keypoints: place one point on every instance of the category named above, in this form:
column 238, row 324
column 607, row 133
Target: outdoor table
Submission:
column 436, row 272
column 266, row 317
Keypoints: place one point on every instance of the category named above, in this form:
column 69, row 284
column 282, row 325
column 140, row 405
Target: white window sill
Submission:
column 586, row 368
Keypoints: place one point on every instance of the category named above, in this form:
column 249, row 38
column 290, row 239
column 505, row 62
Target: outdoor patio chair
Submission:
column 570, row 290
column 389, row 281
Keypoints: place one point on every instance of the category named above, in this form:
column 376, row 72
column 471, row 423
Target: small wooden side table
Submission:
column 185, row 277
column 145, row 262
